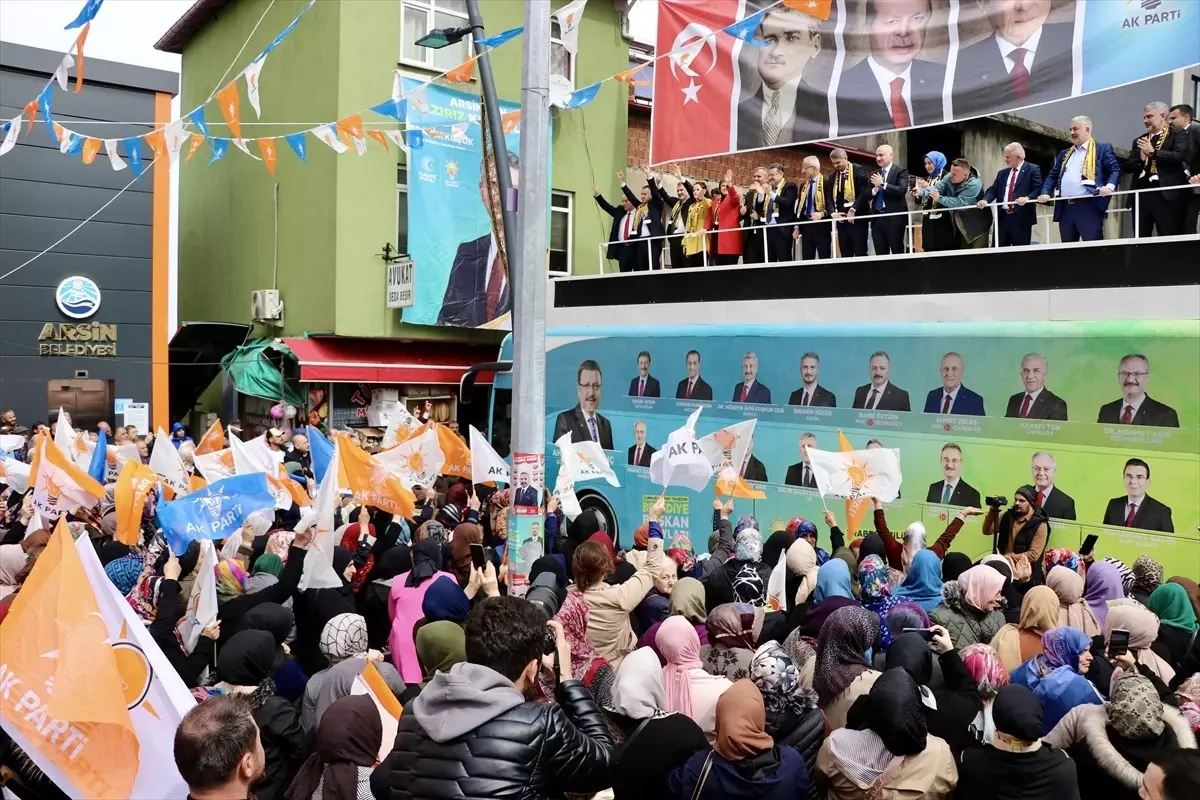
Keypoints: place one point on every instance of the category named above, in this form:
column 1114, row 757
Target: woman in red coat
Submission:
column 726, row 215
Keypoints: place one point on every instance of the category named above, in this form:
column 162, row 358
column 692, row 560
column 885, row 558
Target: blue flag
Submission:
column 45, row 102
column 322, row 452
column 76, row 145
column 214, row 512
column 296, row 141
column 219, row 146
column 416, row 138
column 391, row 108
column 86, row 14
column 581, row 97
column 500, row 38
column 98, row 468
column 745, row 29
column 197, row 118
column 134, row 151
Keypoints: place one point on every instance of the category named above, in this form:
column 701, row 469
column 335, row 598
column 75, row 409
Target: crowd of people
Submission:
column 758, row 665
column 706, row 225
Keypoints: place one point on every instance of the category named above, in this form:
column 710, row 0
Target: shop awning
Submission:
column 344, row 360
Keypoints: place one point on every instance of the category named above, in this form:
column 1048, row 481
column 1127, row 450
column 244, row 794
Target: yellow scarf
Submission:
column 1089, row 160
column 676, row 211
column 819, row 200
column 1153, row 159
column 848, row 183
column 639, row 215
column 696, row 240
column 773, row 202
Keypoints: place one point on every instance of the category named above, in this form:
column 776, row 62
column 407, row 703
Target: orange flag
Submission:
column 90, row 148
column 197, row 140
column 510, row 120
column 463, row 73
column 627, row 76
column 267, row 148
column 857, row 507
column 294, row 489
column 79, row 57
column 372, row 483
column 196, row 483
column 458, row 455
column 738, row 488
column 379, row 137
column 158, row 143
column 213, row 439
column 135, row 482
column 351, row 125
column 816, row 8
column 230, row 108
column 31, row 109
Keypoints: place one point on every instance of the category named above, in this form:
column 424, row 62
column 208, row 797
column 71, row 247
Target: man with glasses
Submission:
column 584, row 423
column 952, row 490
column 1138, row 509
column 1054, row 501
column 1136, row 407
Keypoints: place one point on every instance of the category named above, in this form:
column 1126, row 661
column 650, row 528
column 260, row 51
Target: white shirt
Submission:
column 1130, row 503
column 626, row 226
column 493, row 250
column 884, row 77
column 1045, row 493
column 952, row 395
column 878, row 396
column 953, row 486
column 645, row 220
column 787, row 109
column 1030, row 46
column 1136, row 405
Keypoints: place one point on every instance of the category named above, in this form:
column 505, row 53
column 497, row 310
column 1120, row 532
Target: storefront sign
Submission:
column 83, row 339
column 400, row 284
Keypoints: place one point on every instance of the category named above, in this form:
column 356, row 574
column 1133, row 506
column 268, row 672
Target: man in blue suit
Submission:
column 1084, row 174
column 750, row 390
column 953, row 397
column 1014, row 190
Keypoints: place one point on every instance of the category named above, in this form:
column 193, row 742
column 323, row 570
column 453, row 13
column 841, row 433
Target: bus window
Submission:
column 500, row 431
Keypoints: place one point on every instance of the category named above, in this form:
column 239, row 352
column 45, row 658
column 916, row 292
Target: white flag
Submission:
column 396, row 91
column 397, row 137
column 240, row 144
column 727, row 448
column 60, row 74
column 419, row 98
column 114, row 158
column 401, row 426
column 165, row 461
column 777, row 584
column 417, row 462
column 10, row 138
column 174, row 137
column 115, row 460
column 681, row 462
column 34, row 525
column 857, row 473
column 15, row 474
column 217, row 465
column 251, row 74
column 64, row 141
column 568, row 18
column 486, row 463
column 329, row 136
column 202, row 604
column 588, row 461
column 318, row 561
column 64, row 435
column 564, row 484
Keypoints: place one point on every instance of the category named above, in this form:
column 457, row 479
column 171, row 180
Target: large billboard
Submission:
column 879, row 65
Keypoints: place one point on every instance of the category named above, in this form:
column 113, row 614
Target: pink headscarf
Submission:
column 981, row 585
column 678, row 643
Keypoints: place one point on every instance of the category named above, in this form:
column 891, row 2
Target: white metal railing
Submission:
column 997, row 208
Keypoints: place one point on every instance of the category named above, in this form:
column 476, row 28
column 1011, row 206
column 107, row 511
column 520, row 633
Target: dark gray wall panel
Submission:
column 36, row 304
column 95, row 238
column 108, row 272
column 73, row 202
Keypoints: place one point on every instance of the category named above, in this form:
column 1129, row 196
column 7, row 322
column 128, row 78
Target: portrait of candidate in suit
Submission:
column 1135, row 406
column 583, row 421
column 952, row 397
column 477, row 290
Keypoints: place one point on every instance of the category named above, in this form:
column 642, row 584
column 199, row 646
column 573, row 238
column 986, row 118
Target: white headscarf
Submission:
column 914, row 541
column 638, row 691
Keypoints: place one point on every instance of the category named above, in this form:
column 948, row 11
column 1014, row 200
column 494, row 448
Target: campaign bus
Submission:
column 1090, row 413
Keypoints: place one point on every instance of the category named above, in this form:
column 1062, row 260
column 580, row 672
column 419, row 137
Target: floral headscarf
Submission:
column 587, row 665
column 1188, row 695
column 278, row 544
column 1134, row 709
column 684, row 560
column 1061, row 557
column 749, row 545
column 985, row 668
column 745, row 521
column 231, row 580
column 776, row 676
column 1147, row 574
column 873, row 578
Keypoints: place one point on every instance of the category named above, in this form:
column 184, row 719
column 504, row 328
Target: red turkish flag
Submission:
column 693, row 87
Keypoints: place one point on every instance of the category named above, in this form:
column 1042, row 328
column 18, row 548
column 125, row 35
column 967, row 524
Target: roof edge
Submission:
column 194, row 20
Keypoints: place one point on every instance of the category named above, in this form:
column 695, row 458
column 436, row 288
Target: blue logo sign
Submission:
column 78, row 297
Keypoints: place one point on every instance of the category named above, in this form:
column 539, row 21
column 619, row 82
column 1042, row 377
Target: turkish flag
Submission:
column 693, row 87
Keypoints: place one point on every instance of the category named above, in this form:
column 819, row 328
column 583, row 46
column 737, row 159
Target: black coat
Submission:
column 1048, row 405
column 1028, row 185
column 755, row 471
column 804, row 733
column 283, row 743
column 647, row 451
column 862, row 186
column 1151, row 514
column 615, row 246
column 230, row 613
column 652, row 387
column 1059, row 505
column 647, row 757
column 796, row 477
column 701, row 391
column 464, row 304
column 574, row 421
column 894, row 398
column 810, row 119
column 162, row 630
column 964, row 494
column 1170, row 158
column 820, row 395
column 1045, row 774
column 530, row 752
column 1150, row 412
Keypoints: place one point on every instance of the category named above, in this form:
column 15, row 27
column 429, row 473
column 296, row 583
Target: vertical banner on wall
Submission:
column 526, row 534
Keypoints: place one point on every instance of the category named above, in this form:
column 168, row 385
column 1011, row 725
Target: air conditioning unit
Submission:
column 265, row 306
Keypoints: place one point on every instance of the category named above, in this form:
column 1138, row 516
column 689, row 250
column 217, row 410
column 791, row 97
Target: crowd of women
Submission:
column 886, row 669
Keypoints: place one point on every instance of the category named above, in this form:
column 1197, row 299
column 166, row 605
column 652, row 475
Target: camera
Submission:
column 547, row 597
column 998, row 502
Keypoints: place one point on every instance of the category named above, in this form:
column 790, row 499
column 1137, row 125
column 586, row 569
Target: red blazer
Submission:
column 728, row 214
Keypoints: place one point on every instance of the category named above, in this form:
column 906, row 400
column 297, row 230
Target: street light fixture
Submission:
column 438, row 38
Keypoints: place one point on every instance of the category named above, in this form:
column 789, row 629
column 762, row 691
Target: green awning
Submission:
column 255, row 374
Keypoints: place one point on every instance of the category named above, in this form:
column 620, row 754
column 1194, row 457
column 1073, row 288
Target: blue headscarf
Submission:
column 444, row 600
column 939, row 162
column 923, row 585
column 833, row 580
column 124, row 572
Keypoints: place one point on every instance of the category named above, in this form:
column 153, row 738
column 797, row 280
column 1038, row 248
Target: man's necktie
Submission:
column 804, row 475
column 1127, row 415
column 637, row 457
column 592, row 428
column 1012, row 183
column 495, row 287
column 900, row 118
column 810, row 203
column 689, row 389
column 946, row 405
column 641, row 387
column 947, row 490
column 629, row 225
column 1132, row 513
column 1041, row 498
column 804, row 398
column 879, row 194
column 1019, row 75
column 1028, row 401
column 745, row 391
column 773, row 122
column 872, row 398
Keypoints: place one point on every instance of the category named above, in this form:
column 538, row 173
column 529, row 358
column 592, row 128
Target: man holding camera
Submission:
column 472, row 731
column 1022, row 532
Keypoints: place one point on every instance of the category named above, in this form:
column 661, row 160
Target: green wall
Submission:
column 336, row 212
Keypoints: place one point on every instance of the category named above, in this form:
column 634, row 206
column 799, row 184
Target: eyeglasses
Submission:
column 1127, row 375
column 595, row 387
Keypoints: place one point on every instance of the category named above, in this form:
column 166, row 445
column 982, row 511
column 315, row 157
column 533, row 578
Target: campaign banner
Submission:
column 460, row 278
column 880, row 65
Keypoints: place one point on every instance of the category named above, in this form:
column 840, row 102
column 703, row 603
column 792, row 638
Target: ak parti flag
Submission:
column 463, row 73
column 856, row 507
column 213, row 438
column 230, row 104
column 815, row 8
column 455, row 451
column 267, row 148
column 134, row 484
column 58, row 484
column 372, row 482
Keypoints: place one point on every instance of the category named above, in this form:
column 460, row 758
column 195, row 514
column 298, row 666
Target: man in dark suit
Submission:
column 693, row 387
column 645, row 384
column 880, row 394
column 953, row 397
column 754, row 245
column 889, row 185
column 526, row 495
column 477, row 288
column 800, row 473
column 811, row 393
column 620, row 232
column 952, row 490
column 583, row 422
column 1015, row 190
column 1138, row 509
column 892, row 89
column 753, row 469
column 1054, row 501
column 750, row 390
column 1085, row 174
column 1023, row 63
column 847, row 183
column 640, row 452
column 1182, row 117
column 1135, row 406
column 814, row 202
column 1036, row 402
column 779, row 208
column 785, row 109
column 1157, row 159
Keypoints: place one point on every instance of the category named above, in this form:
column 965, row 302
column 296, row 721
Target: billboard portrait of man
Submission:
column 583, row 421
column 477, row 290
column 789, row 104
column 1023, row 59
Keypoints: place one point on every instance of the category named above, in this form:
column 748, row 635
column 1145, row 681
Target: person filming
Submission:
column 1022, row 531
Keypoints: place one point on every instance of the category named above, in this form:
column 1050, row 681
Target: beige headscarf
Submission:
column 1039, row 613
column 1072, row 610
column 1143, row 630
column 802, row 561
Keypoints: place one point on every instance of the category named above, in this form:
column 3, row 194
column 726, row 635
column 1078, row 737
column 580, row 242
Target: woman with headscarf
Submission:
column 747, row 572
column 1102, row 584
column 984, row 667
column 923, row 583
column 1016, row 644
column 1073, row 610
column 745, row 761
column 404, row 604
column 691, row 690
column 124, row 573
column 969, row 608
column 1123, row 571
column 847, row 555
column 277, row 621
column 1143, row 627
column 1058, row 675
column 937, row 224
column 372, row 601
column 895, row 756
column 655, row 606
column 1193, row 591
column 842, row 673
column 465, row 535
column 440, row 645
column 733, row 631
column 245, row 666
column 266, row 572
column 899, row 555
column 777, row 545
column 1010, row 594
column 314, row 608
column 587, row 666
column 793, row 716
column 1112, row 746
column 1187, row 698
column 687, row 601
column 347, row 747
column 444, row 601
column 876, row 593
column 1147, row 576
column 1062, row 557
column 1177, row 634
column 833, row 591
column 344, row 638
column 951, row 708
column 802, row 570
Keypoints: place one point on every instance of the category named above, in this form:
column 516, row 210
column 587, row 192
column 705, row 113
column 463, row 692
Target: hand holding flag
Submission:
column 857, row 473
column 682, row 462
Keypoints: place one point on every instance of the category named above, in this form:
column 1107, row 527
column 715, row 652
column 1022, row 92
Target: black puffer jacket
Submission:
column 803, row 732
column 470, row 734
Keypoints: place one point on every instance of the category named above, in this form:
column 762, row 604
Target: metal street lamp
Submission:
column 438, row 38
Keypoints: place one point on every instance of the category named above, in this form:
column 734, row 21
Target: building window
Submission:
column 419, row 17
column 561, row 232
column 562, row 62
column 402, row 211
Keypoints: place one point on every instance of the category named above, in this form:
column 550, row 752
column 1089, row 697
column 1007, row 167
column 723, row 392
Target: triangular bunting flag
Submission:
column 157, row 143
column 463, row 73
column 267, row 148
column 60, row 74
column 745, row 29
column 391, row 108
column 12, row 130
column 240, row 144
column 133, row 152
column 197, row 140
column 816, row 8
column 511, row 121
column 219, row 147
column 197, row 119
column 90, row 148
column 397, row 137
column 580, row 97
column 569, row 17
column 501, row 38
column 379, row 137
column 296, row 142
column 79, row 52
column 627, row 76
column 114, row 157
column 86, row 14
column 327, row 135
column 230, row 108
column 45, row 102
column 251, row 74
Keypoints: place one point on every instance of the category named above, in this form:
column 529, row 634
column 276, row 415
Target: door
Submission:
column 88, row 401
